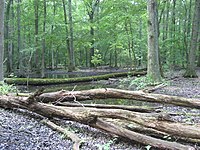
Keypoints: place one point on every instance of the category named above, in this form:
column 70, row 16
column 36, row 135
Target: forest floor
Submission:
column 22, row 130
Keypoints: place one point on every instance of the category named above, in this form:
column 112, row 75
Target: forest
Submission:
column 100, row 74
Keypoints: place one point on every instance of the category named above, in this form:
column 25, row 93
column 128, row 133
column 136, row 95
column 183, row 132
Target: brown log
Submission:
column 90, row 118
column 140, row 138
column 82, row 114
column 118, row 94
column 158, row 134
column 105, row 106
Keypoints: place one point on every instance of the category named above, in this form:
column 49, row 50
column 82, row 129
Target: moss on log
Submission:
column 47, row 81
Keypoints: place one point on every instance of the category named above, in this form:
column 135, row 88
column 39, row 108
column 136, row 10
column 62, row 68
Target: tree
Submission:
column 44, row 40
column 91, row 6
column 2, row 5
column 153, row 69
column 71, row 65
column 190, row 70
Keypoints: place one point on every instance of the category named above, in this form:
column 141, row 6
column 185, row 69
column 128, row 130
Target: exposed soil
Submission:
column 22, row 130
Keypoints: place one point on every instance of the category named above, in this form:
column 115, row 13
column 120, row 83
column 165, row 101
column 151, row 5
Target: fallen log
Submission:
column 81, row 114
column 39, row 81
column 140, row 138
column 106, row 93
column 105, row 106
column 89, row 117
column 159, row 134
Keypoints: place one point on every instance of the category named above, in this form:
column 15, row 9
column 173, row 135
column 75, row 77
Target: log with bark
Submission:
column 106, row 93
column 94, row 118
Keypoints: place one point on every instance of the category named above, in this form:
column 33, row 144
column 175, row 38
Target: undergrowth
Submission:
column 6, row 88
column 142, row 82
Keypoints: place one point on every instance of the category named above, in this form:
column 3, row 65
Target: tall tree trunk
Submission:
column 92, row 41
column 2, row 5
column 7, row 36
column 44, row 41
column 173, row 36
column 198, row 61
column 36, row 9
column 190, row 70
column 91, row 8
column 153, row 69
column 71, row 65
column 66, row 30
column 19, row 37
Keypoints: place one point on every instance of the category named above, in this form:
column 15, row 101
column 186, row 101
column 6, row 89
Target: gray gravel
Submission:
column 20, row 131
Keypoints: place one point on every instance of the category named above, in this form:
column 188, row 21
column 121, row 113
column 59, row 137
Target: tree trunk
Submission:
column 153, row 69
column 8, row 49
column 44, row 41
column 71, row 65
column 19, row 44
column 190, row 70
column 198, row 59
column 66, row 30
column 2, row 5
column 37, row 58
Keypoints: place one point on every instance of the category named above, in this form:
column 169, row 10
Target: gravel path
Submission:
column 19, row 130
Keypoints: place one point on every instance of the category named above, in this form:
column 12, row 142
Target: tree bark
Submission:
column 153, row 69
column 106, row 93
column 37, row 58
column 190, row 70
column 71, row 66
column 67, row 32
column 2, row 5
column 44, row 40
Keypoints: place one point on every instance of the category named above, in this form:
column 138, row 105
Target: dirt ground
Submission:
column 22, row 130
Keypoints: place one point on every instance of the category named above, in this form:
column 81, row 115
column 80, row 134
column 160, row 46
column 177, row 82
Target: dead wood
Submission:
column 105, row 106
column 88, row 117
column 84, row 115
column 153, row 88
column 76, row 140
column 140, row 138
column 159, row 134
column 106, row 93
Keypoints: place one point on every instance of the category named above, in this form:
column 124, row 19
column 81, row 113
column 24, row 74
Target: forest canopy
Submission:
column 49, row 34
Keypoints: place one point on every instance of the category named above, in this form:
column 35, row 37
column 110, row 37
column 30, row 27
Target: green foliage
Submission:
column 5, row 89
column 97, row 59
column 142, row 82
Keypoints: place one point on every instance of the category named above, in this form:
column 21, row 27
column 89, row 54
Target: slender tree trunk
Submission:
column 198, row 63
column 190, row 70
column 153, row 69
column 71, row 66
column 37, row 58
column 44, row 41
column 173, row 36
column 92, row 41
column 129, row 43
column 7, row 36
column 19, row 37
column 52, row 31
column 2, row 5
column 66, row 30
column 116, row 57
column 91, row 8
